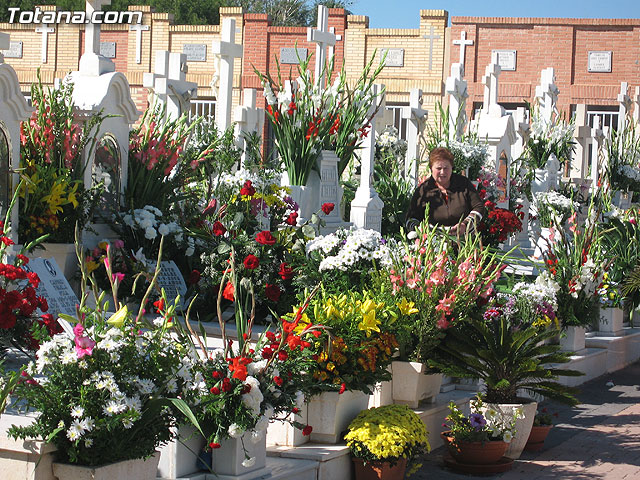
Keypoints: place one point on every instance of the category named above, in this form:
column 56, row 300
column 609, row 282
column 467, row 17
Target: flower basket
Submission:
column 139, row 469
column 379, row 470
column 330, row 413
column 411, row 385
column 537, row 437
column 475, row 453
column 523, row 424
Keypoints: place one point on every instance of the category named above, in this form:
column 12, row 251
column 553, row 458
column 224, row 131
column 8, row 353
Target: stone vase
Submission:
column 306, row 196
column 330, row 414
column 138, row 469
column 180, row 457
column 610, row 321
column 227, row 460
column 540, row 182
column 572, row 339
column 411, row 385
column 523, row 425
column 282, row 433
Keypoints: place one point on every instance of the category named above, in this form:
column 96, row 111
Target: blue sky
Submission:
column 405, row 13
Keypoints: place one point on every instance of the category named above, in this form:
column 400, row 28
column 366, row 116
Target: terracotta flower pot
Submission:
column 379, row 470
column 475, row 453
column 537, row 438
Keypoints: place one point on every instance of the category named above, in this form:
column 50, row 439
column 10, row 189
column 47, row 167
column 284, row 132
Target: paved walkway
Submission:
column 598, row 439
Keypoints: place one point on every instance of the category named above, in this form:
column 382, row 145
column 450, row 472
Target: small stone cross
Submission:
column 625, row 105
column 248, row 119
column 45, row 30
column 228, row 50
column 490, row 80
column 414, row 114
column 322, row 37
column 456, row 87
column 547, row 94
column 139, row 28
column 464, row 43
column 636, row 105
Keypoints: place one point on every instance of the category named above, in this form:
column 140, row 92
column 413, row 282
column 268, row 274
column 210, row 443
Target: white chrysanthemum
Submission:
column 112, row 408
column 235, row 430
column 75, row 431
column 150, row 233
column 88, row 423
column 77, row 411
column 146, row 386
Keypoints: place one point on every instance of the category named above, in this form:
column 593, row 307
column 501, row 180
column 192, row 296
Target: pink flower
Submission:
column 78, row 330
column 443, row 323
column 118, row 243
column 632, row 221
column 84, row 346
column 119, row 277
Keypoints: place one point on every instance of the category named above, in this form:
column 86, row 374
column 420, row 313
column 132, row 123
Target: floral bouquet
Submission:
column 623, row 153
column 53, row 146
column 499, row 224
column 546, row 138
column 388, row 434
column 553, row 207
column 610, row 293
column 491, row 185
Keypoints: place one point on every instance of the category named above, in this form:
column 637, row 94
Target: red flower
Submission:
column 285, row 272
column 215, row 374
column 272, row 292
column 267, row 353
column 239, row 368
column 327, row 208
column 292, row 218
column 251, row 262
column 306, row 431
column 214, row 445
column 23, row 259
column 218, row 229
column 248, row 189
column 292, row 108
column 278, row 381
column 226, row 385
column 295, row 410
column 215, row 390
column 194, row 277
column 228, row 291
column 343, row 388
column 282, row 356
column 159, row 304
column 265, row 238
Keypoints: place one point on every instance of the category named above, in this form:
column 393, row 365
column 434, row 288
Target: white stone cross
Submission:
column 366, row 207
column 463, row 42
column 414, row 114
column 456, row 87
column 636, row 106
column 332, row 48
column 597, row 139
column 45, row 30
column 228, row 50
column 5, row 44
column 547, row 94
column 582, row 137
column 139, row 28
column 522, row 132
column 490, row 104
column 623, row 110
column 91, row 62
column 431, row 37
column 322, row 37
column 248, row 119
column 169, row 83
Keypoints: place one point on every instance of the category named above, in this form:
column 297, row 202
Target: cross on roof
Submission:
column 228, row 50
column 92, row 30
column 45, row 30
column 322, row 37
column 463, row 42
column 431, row 37
column 139, row 28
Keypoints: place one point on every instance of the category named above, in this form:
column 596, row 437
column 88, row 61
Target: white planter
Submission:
column 411, row 385
column 542, row 242
column 523, row 425
column 306, row 196
column 540, row 182
column 127, row 470
column 611, row 320
column 382, row 393
column 281, row 432
column 572, row 339
column 330, row 413
column 179, row 457
column 227, row 460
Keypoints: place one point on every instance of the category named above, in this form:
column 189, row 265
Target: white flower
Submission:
column 256, row 436
column 150, row 233
column 69, row 357
column 112, row 408
column 88, row 443
column 127, row 423
column 146, row 386
column 235, row 431
column 189, row 251
column 61, row 424
column 75, row 430
column 163, row 229
column 77, row 411
column 88, row 423
column 507, row 436
column 249, row 462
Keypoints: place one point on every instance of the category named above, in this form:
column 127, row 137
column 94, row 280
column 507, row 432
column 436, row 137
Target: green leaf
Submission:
column 308, row 231
column 53, row 434
column 224, row 248
column 68, row 318
column 315, row 219
column 186, row 411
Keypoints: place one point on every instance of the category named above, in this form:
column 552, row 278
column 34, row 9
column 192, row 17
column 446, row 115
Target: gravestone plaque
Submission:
column 108, row 49
column 506, row 59
column 171, row 280
column 288, row 55
column 195, row 52
column 395, row 57
column 53, row 286
column 599, row 62
column 15, row 50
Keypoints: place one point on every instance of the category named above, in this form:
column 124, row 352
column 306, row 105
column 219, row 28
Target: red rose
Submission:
column 327, row 208
column 215, row 374
column 272, row 292
column 214, row 445
column 194, row 277
column 277, row 380
column 23, row 259
column 292, row 219
column 282, row 356
column 226, row 385
column 285, row 272
column 248, row 189
column 215, row 390
column 265, row 238
column 218, row 229
column 228, row 292
column 251, row 262
column 306, row 431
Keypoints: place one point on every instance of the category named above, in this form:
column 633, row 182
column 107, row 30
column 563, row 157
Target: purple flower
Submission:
column 477, row 421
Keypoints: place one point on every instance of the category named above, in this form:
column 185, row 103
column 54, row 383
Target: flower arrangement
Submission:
column 491, row 185
column 553, row 207
column 355, row 348
column 623, row 153
column 483, row 424
column 389, row 145
column 52, row 148
column 387, row 434
column 499, row 224
column 546, row 138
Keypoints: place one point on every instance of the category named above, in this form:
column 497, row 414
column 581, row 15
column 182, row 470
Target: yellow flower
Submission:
column 369, row 323
column 71, row 198
column 55, row 199
column 118, row 318
column 91, row 266
column 103, row 245
column 407, row 308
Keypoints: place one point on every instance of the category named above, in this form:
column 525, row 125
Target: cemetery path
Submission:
column 598, row 439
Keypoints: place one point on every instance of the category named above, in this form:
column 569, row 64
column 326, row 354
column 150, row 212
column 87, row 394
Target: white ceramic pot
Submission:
column 306, row 196
column 572, row 339
column 282, row 433
column 610, row 321
column 127, row 470
column 227, row 460
column 523, row 425
column 330, row 414
column 180, row 457
column 411, row 385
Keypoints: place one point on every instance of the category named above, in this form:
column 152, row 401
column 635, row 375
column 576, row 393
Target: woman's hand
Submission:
column 458, row 229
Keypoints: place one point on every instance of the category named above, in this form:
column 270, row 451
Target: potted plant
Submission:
column 542, row 424
column 480, row 438
column 105, row 392
column 505, row 347
column 384, row 441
